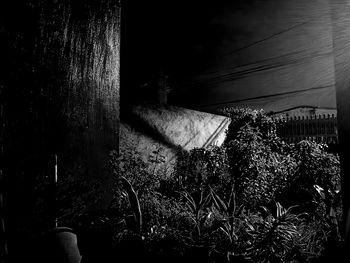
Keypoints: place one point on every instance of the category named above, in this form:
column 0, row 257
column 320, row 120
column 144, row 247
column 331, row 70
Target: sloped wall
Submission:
column 167, row 129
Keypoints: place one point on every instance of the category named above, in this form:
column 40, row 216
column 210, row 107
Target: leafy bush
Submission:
column 241, row 117
column 266, row 169
column 200, row 168
column 260, row 163
column 226, row 204
column 274, row 236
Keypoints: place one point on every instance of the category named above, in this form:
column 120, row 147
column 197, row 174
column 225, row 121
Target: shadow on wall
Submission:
column 165, row 129
column 141, row 125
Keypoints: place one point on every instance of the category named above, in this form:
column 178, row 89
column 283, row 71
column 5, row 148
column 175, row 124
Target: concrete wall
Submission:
column 168, row 128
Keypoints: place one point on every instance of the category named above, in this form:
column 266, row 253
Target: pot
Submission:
column 60, row 246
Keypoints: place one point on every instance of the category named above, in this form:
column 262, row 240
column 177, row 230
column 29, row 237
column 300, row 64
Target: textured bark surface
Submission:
column 341, row 49
column 59, row 96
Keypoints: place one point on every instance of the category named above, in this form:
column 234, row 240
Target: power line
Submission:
column 269, row 37
column 210, row 79
column 266, row 96
column 274, row 35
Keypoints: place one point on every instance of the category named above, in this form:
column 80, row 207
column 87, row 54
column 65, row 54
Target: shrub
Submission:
column 260, row 170
column 226, row 203
column 265, row 169
column 200, row 168
column 273, row 236
column 240, row 117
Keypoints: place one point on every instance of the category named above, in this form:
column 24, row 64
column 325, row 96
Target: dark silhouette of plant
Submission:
column 201, row 168
column 230, row 223
column 134, row 203
column 225, row 204
column 273, row 236
column 241, row 117
column 199, row 208
column 259, row 170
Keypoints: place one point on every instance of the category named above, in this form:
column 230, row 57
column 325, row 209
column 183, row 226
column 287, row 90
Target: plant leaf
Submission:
column 219, row 203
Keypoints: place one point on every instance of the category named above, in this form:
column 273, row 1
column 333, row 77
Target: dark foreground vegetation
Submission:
column 254, row 199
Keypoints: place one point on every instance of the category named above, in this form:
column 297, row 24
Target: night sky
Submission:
column 273, row 54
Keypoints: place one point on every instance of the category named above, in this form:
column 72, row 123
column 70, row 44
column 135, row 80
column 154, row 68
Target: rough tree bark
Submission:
column 59, row 96
column 340, row 13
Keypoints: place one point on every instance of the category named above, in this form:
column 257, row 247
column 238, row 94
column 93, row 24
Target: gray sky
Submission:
column 250, row 49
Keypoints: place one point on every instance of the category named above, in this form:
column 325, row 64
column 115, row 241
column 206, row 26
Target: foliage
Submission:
column 274, row 235
column 231, row 223
column 241, row 117
column 266, row 169
column 199, row 212
column 131, row 166
column 226, row 204
column 200, row 168
column 67, row 199
column 317, row 167
column 260, row 163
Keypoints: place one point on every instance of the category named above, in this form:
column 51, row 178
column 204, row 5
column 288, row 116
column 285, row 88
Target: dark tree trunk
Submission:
column 59, row 96
column 340, row 12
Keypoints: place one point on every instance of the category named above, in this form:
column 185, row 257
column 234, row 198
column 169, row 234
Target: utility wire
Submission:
column 216, row 78
column 269, row 37
column 274, row 35
column 260, row 41
column 266, row 96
